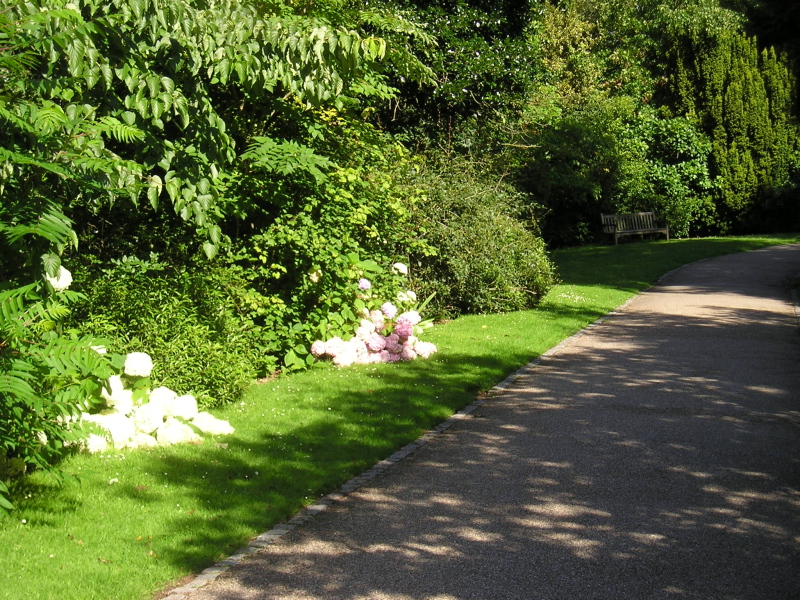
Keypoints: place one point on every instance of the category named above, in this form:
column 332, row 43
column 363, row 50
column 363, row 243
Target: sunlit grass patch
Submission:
column 140, row 520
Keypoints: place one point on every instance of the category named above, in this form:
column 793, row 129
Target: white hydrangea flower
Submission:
column 100, row 349
column 148, row 417
column 96, row 443
column 116, row 396
column 115, row 385
column 121, row 401
column 406, row 297
column 61, row 281
column 400, row 268
column 120, row 427
column 165, row 397
column 184, row 407
column 142, row 440
column 208, row 423
column 175, row 432
column 42, row 437
column 138, row 364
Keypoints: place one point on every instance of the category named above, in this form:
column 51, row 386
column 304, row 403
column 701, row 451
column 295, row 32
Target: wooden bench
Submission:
column 633, row 224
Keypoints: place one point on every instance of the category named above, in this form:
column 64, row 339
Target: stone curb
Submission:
column 278, row 531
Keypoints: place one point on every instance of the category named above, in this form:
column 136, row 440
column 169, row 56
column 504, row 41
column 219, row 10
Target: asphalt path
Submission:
column 655, row 455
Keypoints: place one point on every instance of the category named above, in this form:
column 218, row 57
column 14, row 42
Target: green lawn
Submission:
column 140, row 520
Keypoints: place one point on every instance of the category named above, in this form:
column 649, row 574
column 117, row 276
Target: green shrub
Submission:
column 742, row 96
column 482, row 64
column 47, row 376
column 487, row 260
column 313, row 238
column 196, row 323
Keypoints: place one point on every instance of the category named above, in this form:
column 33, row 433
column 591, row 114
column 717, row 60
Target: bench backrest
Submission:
column 629, row 222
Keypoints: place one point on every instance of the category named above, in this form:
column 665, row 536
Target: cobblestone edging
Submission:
column 308, row 513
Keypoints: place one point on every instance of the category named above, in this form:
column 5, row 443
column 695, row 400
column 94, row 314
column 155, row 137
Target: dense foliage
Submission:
column 202, row 106
column 217, row 176
column 741, row 97
column 625, row 106
column 488, row 257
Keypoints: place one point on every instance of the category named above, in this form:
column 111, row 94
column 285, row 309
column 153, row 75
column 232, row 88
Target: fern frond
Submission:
column 71, row 358
column 15, row 382
column 120, row 131
column 286, row 157
column 12, row 302
column 52, row 225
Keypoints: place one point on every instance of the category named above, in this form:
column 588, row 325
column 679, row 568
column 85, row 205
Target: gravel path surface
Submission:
column 657, row 455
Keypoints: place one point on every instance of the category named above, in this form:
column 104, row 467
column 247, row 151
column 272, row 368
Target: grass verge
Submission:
column 138, row 521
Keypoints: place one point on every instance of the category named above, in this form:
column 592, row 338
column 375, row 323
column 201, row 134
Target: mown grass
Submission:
column 139, row 521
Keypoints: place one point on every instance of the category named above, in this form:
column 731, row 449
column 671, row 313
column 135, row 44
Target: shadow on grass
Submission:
column 380, row 411
column 656, row 460
column 635, row 266
column 264, row 478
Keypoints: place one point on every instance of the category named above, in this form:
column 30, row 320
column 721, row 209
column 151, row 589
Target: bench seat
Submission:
column 633, row 224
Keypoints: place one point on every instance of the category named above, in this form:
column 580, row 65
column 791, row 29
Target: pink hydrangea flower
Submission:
column 376, row 342
column 364, row 284
column 359, row 346
column 334, row 346
column 365, row 330
column 393, row 344
column 425, row 349
column 411, row 316
column 389, row 310
column 345, row 358
column 403, row 329
column 318, row 348
column 408, row 353
column 374, row 358
column 378, row 320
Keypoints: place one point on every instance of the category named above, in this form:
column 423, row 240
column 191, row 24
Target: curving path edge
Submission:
column 655, row 454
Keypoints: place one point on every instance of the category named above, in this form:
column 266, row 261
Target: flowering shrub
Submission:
column 138, row 364
column 135, row 416
column 381, row 336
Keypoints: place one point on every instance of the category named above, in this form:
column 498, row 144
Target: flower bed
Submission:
column 382, row 336
column 135, row 416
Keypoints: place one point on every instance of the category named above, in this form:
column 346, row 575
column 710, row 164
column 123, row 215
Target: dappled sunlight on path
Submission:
column 655, row 456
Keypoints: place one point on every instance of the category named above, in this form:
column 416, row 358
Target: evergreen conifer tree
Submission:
column 742, row 99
